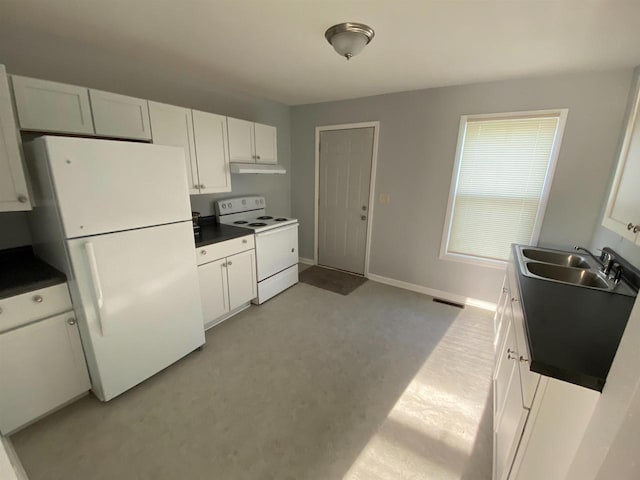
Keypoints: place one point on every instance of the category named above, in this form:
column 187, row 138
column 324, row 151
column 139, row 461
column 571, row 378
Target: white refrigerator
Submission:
column 115, row 217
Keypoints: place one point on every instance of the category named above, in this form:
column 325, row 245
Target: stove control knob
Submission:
column 244, row 202
column 261, row 201
column 257, row 202
column 229, row 204
column 224, row 206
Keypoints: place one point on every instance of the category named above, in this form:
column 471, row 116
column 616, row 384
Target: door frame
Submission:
column 372, row 183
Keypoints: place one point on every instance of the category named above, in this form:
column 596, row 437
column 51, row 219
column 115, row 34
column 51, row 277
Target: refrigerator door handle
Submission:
column 97, row 287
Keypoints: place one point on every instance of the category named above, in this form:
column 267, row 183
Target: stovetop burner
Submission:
column 264, row 217
column 281, row 219
column 240, row 222
column 258, row 224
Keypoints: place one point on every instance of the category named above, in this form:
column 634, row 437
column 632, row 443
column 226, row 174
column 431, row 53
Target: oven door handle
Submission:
column 277, row 230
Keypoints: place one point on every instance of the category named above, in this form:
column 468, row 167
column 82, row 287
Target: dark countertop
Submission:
column 212, row 232
column 573, row 332
column 21, row 272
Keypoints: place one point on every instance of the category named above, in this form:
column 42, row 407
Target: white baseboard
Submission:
column 452, row 297
column 306, row 261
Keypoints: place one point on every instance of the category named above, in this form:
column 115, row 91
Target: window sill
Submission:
column 477, row 261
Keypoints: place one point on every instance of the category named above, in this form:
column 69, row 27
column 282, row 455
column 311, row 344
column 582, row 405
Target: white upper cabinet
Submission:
column 46, row 106
column 266, row 149
column 212, row 152
column 241, row 141
column 622, row 214
column 252, row 142
column 173, row 126
column 14, row 194
column 119, row 116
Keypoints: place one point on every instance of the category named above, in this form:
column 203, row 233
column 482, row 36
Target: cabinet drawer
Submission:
column 209, row 253
column 28, row 307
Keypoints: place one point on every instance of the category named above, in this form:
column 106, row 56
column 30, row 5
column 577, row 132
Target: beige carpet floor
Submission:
column 382, row 384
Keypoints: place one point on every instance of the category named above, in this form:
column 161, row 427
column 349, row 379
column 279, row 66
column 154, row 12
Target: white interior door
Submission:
column 136, row 294
column 241, row 272
column 106, row 186
column 343, row 203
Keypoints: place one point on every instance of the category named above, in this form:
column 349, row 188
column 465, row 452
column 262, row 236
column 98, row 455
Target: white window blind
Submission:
column 503, row 166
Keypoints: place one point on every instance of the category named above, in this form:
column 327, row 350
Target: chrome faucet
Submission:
column 605, row 260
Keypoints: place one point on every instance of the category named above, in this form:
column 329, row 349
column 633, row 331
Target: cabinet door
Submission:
column 173, row 126
column 46, row 106
column 212, row 152
column 241, row 143
column 13, row 185
column 622, row 214
column 41, row 368
column 214, row 291
column 499, row 322
column 265, row 139
column 119, row 116
column 509, row 414
column 241, row 271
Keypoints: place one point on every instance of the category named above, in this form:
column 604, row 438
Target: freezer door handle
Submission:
column 97, row 287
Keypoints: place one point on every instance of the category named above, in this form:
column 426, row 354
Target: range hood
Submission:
column 257, row 168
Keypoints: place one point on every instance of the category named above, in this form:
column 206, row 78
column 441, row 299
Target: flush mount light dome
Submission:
column 348, row 39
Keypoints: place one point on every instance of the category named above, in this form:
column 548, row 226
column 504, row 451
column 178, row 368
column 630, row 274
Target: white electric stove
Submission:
column 276, row 242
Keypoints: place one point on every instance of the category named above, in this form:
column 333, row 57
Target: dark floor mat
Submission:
column 332, row 280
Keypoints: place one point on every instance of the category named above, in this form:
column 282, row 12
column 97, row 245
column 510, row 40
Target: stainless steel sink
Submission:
column 568, row 268
column 556, row 258
column 575, row 276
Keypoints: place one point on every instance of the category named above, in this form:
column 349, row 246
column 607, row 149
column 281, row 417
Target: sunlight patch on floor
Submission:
column 431, row 431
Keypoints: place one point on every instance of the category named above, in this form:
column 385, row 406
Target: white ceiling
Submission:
column 276, row 48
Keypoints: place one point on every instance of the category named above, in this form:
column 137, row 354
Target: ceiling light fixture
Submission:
column 348, row 39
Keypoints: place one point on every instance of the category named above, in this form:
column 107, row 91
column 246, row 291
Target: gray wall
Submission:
column 603, row 237
column 418, row 136
column 58, row 59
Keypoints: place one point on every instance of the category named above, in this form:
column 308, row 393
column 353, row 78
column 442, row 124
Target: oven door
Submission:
column 276, row 250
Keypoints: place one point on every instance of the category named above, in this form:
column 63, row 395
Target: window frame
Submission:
column 562, row 114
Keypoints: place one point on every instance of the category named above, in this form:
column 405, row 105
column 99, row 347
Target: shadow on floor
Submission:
column 294, row 389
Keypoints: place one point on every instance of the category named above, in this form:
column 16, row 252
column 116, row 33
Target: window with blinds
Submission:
column 503, row 169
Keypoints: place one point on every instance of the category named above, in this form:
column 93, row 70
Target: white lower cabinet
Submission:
column 538, row 421
column 42, row 367
column 228, row 280
column 214, row 289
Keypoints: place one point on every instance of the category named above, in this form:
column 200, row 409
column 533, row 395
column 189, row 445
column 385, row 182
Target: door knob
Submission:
column 71, row 321
column 37, row 299
column 202, row 185
column 229, row 263
column 363, row 217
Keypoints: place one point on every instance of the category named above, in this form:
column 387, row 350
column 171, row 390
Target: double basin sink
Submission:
column 568, row 268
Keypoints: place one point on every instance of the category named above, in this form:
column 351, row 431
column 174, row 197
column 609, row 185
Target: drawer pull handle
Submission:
column 514, row 299
column 37, row 299
column 71, row 321
column 522, row 359
column 203, row 252
column 244, row 240
column 630, row 226
column 512, row 354
column 22, row 199
column 293, row 250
